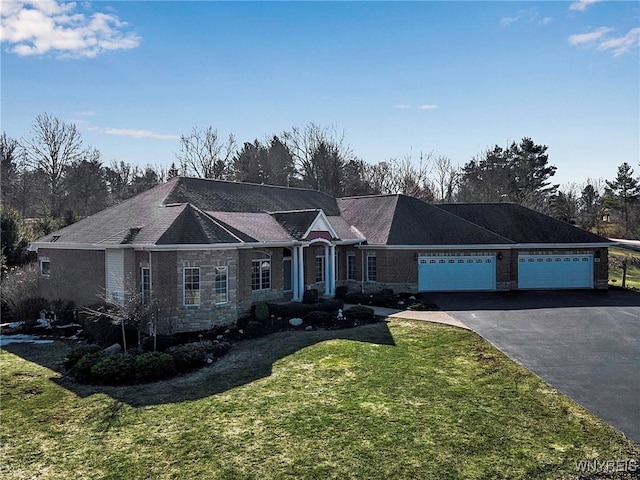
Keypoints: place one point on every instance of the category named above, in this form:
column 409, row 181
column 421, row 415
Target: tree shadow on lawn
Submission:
column 247, row 361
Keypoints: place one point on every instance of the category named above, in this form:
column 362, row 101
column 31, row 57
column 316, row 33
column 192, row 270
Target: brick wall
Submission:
column 77, row 275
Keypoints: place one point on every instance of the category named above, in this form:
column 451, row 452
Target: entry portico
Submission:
column 318, row 232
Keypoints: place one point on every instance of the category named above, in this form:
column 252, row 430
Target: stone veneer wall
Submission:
column 207, row 315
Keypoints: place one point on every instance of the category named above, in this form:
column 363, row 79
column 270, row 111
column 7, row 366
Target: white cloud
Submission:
column 582, row 38
column 129, row 132
column 600, row 40
column 508, row 20
column 582, row 5
column 529, row 15
column 621, row 45
column 404, row 106
column 39, row 27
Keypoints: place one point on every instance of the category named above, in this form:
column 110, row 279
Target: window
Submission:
column 351, row 267
column 191, row 284
column 145, row 284
column 371, row 268
column 260, row 274
column 45, row 268
column 320, row 269
column 221, row 285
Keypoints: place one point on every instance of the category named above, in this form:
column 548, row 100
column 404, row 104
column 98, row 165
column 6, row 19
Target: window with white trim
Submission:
column 145, row 284
column 45, row 267
column 260, row 274
column 351, row 266
column 191, row 285
column 372, row 268
column 221, row 285
column 320, row 269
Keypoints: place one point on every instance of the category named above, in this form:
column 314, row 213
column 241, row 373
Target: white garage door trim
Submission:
column 457, row 273
column 555, row 271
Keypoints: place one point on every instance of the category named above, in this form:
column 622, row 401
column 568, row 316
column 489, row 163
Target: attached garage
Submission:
column 555, row 271
column 456, row 273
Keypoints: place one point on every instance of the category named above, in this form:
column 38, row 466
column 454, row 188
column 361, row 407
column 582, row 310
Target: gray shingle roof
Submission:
column 403, row 220
column 520, row 224
column 296, row 223
column 217, row 195
column 198, row 211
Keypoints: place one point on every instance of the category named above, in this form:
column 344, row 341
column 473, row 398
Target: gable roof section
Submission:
column 114, row 225
column 194, row 227
column 296, row 223
column 218, row 195
column 520, row 224
column 402, row 220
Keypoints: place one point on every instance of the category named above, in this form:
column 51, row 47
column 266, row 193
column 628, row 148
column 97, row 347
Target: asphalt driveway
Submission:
column 586, row 344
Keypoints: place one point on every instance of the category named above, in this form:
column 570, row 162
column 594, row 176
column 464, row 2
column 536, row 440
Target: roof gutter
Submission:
column 34, row 246
column 489, row 246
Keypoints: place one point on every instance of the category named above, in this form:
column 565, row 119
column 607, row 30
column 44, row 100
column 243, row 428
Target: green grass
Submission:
column 633, row 271
column 384, row 401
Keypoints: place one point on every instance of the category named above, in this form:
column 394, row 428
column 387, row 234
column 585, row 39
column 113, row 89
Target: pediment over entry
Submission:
column 306, row 224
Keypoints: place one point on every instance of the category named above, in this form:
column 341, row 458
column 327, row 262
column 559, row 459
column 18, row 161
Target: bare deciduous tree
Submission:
column 54, row 146
column 320, row 154
column 204, row 154
column 446, row 179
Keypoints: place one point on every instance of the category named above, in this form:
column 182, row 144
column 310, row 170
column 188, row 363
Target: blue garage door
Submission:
column 555, row 271
column 456, row 273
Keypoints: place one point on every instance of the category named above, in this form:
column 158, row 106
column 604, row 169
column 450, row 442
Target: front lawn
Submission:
column 633, row 271
column 390, row 400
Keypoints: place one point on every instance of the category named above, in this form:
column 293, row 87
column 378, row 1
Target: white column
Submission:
column 295, row 284
column 327, row 272
column 332, row 286
column 301, row 272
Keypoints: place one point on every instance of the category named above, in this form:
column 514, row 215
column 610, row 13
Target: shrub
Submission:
column 299, row 310
column 101, row 329
column 318, row 317
column 386, row 292
column 113, row 369
column 421, row 307
column 218, row 350
column 384, row 300
column 310, row 296
column 28, row 309
column 154, row 365
column 358, row 298
column 341, row 292
column 76, row 354
column 359, row 312
column 162, row 342
column 262, row 312
column 82, row 368
column 64, row 310
column 188, row 356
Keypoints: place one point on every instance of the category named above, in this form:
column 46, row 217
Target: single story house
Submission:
column 208, row 249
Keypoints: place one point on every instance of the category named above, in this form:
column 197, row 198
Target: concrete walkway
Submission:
column 427, row 316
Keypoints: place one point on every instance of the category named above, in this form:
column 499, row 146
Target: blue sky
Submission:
column 453, row 78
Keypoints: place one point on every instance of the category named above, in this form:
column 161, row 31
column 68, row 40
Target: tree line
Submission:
column 53, row 179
